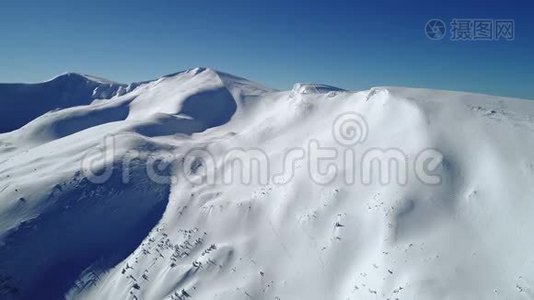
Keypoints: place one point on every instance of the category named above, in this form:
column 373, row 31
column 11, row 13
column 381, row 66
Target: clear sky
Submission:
column 350, row 44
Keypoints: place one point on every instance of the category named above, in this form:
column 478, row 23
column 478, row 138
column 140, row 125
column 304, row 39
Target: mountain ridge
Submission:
column 154, row 232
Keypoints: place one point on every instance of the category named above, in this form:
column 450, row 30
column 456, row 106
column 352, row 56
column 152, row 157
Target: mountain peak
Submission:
column 193, row 71
column 228, row 80
column 74, row 76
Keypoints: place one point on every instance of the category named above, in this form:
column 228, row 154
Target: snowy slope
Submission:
column 65, row 234
column 22, row 103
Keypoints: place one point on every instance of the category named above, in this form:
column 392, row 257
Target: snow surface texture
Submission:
column 64, row 236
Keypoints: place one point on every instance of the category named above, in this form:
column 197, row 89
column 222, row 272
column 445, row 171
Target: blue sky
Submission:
column 350, row 44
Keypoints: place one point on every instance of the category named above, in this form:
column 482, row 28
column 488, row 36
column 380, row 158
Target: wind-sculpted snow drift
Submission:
column 109, row 191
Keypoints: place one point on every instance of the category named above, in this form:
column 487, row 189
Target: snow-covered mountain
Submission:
column 112, row 191
column 22, row 103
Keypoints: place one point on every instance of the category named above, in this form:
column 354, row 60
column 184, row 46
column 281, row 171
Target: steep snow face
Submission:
column 454, row 224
